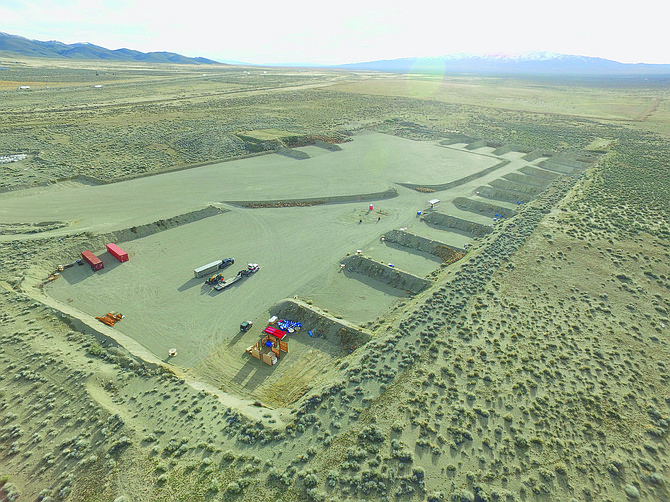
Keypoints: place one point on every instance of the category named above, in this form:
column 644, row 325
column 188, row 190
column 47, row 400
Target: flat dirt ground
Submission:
column 510, row 343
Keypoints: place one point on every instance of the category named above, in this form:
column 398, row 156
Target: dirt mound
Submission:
column 293, row 154
column 448, row 253
column 502, row 195
column 395, row 278
column 527, row 180
column 273, row 139
column 72, row 252
column 457, row 138
column 338, row 331
column 482, row 207
column 333, row 147
column 30, row 228
column 536, row 154
column 560, row 166
column 513, row 186
column 455, row 183
column 481, row 144
column 512, row 148
column 540, row 173
column 314, row 201
column 445, row 220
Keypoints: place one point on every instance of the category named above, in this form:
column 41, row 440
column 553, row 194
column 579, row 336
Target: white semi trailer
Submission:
column 210, row 268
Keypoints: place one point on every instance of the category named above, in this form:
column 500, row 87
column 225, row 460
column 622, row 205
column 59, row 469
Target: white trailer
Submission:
column 207, row 269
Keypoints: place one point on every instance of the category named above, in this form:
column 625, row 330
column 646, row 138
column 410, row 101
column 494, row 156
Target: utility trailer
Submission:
column 229, row 282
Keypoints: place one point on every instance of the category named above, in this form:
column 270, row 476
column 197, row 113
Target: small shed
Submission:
column 433, row 202
column 268, row 349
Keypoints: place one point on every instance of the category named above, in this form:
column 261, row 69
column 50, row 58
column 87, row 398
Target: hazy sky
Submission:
column 343, row 31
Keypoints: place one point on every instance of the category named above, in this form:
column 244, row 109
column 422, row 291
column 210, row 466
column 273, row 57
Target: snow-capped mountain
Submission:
column 530, row 63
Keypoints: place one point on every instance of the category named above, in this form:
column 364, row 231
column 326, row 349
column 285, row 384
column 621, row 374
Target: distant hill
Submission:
column 15, row 44
column 532, row 63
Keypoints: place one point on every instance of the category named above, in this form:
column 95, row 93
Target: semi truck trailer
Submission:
column 92, row 260
column 117, row 252
column 210, row 268
column 207, row 269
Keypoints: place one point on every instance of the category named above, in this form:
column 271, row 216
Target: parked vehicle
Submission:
column 246, row 326
column 227, row 262
column 214, row 280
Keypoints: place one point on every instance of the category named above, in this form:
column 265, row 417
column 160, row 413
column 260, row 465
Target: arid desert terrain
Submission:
column 480, row 270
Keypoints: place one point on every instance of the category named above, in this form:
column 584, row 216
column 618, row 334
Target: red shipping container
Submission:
column 92, row 260
column 117, row 252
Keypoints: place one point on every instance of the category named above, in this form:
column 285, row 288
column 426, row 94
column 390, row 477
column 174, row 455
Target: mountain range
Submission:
column 540, row 63
column 14, row 44
column 531, row 63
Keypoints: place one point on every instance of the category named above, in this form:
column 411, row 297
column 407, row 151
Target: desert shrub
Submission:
column 234, row 487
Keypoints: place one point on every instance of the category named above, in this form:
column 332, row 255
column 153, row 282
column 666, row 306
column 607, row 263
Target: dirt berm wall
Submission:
column 314, row 201
column 528, row 180
column 395, row 278
column 489, row 192
column 322, row 323
column 294, row 154
column 455, row 183
column 482, row 207
column 512, row 148
column 481, row 144
column 558, row 167
column 572, row 159
column 515, row 187
column 328, row 146
column 97, row 242
column 409, row 240
column 457, row 138
column 445, row 220
column 539, row 173
column 537, row 154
